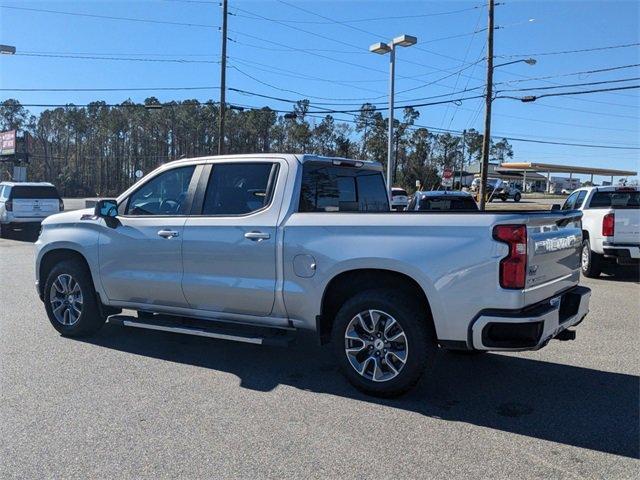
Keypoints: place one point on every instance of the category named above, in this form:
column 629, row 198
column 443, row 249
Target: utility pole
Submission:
column 464, row 135
column 486, row 140
column 223, row 75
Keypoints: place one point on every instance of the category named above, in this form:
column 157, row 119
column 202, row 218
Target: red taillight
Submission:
column 513, row 267
column 60, row 205
column 608, row 225
column 9, row 206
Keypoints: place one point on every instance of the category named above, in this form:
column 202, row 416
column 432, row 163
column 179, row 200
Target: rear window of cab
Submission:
column 618, row 199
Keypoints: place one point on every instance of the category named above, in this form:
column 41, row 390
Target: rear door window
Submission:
column 19, row 191
column 239, row 188
column 328, row 188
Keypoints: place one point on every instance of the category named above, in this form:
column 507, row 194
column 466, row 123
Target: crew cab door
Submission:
column 141, row 255
column 229, row 244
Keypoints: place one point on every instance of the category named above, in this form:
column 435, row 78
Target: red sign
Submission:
column 8, row 142
column 447, row 173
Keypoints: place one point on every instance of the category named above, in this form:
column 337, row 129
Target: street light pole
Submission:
column 486, row 139
column 390, row 48
column 392, row 71
column 223, row 74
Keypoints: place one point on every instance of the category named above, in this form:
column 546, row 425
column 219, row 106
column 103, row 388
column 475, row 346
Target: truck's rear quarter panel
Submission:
column 453, row 257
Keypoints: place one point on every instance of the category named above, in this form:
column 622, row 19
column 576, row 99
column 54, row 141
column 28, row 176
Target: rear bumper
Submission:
column 622, row 253
column 530, row 328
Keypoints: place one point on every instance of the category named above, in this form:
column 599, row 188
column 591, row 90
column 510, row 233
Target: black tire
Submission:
column 503, row 198
column 590, row 261
column 517, row 197
column 418, row 328
column 90, row 319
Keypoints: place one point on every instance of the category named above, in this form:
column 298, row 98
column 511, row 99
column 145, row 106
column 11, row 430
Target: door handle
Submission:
column 168, row 233
column 257, row 236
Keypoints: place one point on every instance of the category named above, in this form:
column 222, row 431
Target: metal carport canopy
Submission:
column 550, row 167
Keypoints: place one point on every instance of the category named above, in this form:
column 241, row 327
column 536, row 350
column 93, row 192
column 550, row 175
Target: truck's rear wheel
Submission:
column 382, row 341
column 71, row 301
column 517, row 197
column 591, row 262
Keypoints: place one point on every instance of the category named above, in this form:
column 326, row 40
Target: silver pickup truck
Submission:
column 255, row 247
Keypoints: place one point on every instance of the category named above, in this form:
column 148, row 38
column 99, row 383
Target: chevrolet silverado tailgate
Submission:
column 553, row 254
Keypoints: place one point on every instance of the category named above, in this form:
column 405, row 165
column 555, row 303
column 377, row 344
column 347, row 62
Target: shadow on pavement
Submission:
column 572, row 405
column 621, row 274
column 25, row 234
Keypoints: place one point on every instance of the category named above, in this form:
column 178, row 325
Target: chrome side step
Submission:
column 206, row 328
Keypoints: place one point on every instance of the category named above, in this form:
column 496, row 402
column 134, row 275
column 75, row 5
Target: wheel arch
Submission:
column 54, row 256
column 347, row 283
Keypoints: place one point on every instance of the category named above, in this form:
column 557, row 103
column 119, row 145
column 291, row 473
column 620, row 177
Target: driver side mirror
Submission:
column 556, row 206
column 107, row 208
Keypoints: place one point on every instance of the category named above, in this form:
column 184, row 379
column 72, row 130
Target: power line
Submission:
column 591, row 112
column 324, row 37
column 131, row 89
column 528, row 89
column 581, row 50
column 559, row 75
column 560, row 94
column 109, row 17
column 121, row 59
column 346, row 24
column 387, row 18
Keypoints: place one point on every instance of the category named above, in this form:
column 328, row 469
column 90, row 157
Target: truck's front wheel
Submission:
column 383, row 340
column 70, row 300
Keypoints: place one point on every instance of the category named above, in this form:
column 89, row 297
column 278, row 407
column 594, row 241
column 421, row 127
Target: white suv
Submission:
column 399, row 199
column 26, row 204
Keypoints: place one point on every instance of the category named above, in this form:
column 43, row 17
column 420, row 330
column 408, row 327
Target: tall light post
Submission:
column 381, row 49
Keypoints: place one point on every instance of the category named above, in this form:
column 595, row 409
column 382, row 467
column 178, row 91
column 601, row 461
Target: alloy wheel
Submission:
column 65, row 297
column 376, row 345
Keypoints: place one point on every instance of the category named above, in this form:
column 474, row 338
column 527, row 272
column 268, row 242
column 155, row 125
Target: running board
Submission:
column 207, row 328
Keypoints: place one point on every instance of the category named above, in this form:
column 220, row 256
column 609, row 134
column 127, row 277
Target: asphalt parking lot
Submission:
column 140, row 404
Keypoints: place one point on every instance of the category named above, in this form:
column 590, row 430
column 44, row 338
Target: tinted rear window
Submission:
column 618, row 199
column 327, row 188
column 34, row 192
column 447, row 203
column 400, row 193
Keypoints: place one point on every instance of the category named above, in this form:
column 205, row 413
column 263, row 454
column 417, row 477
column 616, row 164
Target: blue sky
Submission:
column 329, row 62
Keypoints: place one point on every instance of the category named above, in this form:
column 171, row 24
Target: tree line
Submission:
column 95, row 150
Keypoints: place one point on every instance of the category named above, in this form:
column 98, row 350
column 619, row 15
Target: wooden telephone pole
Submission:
column 223, row 74
column 486, row 140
